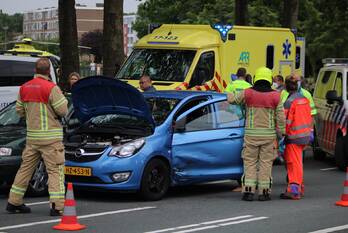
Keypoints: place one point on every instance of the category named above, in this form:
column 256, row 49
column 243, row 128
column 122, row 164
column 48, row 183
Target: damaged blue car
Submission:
column 118, row 138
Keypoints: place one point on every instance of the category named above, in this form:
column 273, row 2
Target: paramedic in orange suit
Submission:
column 298, row 129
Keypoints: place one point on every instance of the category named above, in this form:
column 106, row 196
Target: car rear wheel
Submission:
column 38, row 183
column 341, row 152
column 155, row 181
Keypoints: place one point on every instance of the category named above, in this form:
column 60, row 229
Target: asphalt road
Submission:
column 211, row 207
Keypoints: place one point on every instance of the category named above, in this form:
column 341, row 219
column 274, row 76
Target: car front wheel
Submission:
column 155, row 181
column 341, row 152
column 38, row 183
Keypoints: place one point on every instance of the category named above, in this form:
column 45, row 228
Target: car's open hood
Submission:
column 99, row 95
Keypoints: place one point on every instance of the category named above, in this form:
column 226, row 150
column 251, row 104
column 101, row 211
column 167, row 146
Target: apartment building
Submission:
column 42, row 24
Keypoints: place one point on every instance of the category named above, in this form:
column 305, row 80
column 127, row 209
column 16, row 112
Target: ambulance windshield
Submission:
column 159, row 64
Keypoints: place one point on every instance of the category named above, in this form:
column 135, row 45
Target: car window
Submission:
column 15, row 73
column 161, row 107
column 229, row 115
column 338, row 84
column 325, row 83
column 204, row 70
column 9, row 116
column 189, row 105
column 200, row 119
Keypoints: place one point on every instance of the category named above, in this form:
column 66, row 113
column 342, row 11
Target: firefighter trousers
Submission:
column 294, row 166
column 258, row 155
column 53, row 157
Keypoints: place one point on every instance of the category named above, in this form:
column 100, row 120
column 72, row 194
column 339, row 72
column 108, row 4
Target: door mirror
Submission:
column 331, row 97
column 179, row 125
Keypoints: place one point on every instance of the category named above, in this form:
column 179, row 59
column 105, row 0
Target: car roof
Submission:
column 181, row 94
column 18, row 58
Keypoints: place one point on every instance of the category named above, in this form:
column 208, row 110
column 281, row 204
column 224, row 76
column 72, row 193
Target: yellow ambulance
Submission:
column 205, row 57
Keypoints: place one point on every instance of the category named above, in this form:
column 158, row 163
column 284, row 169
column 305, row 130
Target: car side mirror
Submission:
column 179, row 125
column 331, row 97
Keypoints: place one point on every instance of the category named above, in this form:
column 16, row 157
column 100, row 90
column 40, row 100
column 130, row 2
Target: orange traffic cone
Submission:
column 344, row 197
column 69, row 219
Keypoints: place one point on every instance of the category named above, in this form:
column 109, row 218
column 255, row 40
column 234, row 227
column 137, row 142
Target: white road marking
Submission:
column 221, row 225
column 37, row 203
column 79, row 217
column 328, row 169
column 332, row 229
column 200, row 224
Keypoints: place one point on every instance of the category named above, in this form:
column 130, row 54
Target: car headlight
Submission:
column 5, row 151
column 127, row 149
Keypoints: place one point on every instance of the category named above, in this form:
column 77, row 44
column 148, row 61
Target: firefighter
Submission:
column 298, row 132
column 264, row 113
column 42, row 103
column 240, row 83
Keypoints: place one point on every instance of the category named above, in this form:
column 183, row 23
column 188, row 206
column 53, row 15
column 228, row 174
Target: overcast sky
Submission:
column 20, row 6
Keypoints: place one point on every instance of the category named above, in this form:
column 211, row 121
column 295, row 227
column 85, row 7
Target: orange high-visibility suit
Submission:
column 298, row 130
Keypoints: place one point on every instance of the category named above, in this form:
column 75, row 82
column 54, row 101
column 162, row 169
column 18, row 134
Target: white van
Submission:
column 331, row 99
column 14, row 71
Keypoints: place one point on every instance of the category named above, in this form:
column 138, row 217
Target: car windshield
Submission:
column 15, row 73
column 161, row 107
column 159, row 64
column 9, row 117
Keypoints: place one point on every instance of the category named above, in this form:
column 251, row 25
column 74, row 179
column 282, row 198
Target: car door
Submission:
column 325, row 83
column 207, row 147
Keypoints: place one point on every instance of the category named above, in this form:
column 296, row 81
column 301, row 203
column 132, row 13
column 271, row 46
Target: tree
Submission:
column 94, row 39
column 68, row 38
column 113, row 52
column 183, row 11
column 240, row 12
column 14, row 24
column 290, row 13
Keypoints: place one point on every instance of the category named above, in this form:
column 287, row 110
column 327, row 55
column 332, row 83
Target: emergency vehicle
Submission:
column 204, row 57
column 17, row 66
column 330, row 97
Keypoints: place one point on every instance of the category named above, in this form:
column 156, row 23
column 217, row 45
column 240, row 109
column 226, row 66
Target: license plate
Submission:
column 78, row 171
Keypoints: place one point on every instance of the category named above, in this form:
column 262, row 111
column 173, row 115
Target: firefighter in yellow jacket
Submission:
column 264, row 114
column 42, row 103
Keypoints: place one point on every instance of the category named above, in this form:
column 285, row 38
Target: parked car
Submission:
column 120, row 139
column 12, row 143
column 17, row 68
column 331, row 122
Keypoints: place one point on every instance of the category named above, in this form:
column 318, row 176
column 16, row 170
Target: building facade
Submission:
column 42, row 24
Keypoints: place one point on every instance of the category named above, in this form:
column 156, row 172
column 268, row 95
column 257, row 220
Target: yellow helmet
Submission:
column 263, row 73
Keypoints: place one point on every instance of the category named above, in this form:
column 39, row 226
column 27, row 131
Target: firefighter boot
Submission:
column 265, row 196
column 14, row 209
column 54, row 211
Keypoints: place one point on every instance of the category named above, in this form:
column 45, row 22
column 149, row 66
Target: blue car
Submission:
column 118, row 138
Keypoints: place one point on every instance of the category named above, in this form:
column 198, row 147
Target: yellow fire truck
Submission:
column 205, row 57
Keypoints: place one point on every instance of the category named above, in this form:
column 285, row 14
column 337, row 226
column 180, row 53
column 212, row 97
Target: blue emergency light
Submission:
column 223, row 29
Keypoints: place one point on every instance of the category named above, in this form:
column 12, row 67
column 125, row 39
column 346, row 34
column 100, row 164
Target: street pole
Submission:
column 5, row 29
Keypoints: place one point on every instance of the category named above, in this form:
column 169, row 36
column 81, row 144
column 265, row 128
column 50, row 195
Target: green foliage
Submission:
column 14, row 24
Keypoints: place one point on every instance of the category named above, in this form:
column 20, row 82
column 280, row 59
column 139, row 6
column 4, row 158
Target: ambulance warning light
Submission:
column 335, row 61
column 223, row 30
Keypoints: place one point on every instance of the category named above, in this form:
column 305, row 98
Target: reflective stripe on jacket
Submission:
column 298, row 119
column 42, row 103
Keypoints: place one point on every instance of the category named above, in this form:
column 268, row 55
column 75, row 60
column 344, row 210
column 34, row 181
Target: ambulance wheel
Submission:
column 341, row 153
column 39, row 181
column 155, row 181
column 318, row 154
